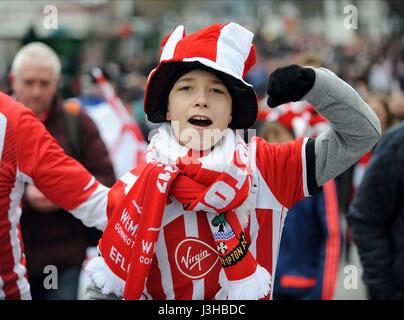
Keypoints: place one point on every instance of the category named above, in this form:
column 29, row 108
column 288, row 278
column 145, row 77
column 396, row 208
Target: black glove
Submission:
column 289, row 83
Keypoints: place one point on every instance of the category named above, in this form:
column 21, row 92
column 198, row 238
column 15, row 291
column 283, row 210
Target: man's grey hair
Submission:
column 39, row 54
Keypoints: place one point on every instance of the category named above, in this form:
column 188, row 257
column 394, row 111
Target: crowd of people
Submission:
column 318, row 112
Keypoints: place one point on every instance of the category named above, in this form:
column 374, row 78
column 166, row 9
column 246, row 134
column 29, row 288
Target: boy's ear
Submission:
column 231, row 119
column 168, row 115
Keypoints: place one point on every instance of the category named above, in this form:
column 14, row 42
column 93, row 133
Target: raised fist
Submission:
column 289, row 83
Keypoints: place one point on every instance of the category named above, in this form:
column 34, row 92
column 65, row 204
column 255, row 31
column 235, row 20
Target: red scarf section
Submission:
column 129, row 241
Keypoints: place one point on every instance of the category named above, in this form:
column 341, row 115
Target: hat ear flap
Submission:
column 170, row 42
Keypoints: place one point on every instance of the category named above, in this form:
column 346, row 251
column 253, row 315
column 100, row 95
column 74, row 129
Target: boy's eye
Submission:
column 217, row 90
column 184, row 88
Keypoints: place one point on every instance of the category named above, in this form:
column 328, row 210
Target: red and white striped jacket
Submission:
column 29, row 154
column 186, row 264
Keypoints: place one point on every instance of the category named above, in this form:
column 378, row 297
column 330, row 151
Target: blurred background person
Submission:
column 309, row 254
column 376, row 218
column 310, row 250
column 379, row 102
column 381, row 75
column 29, row 154
column 52, row 237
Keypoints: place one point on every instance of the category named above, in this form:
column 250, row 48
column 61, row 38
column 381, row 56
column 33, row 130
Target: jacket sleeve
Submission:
column 287, row 169
column 93, row 154
column 354, row 130
column 371, row 215
column 60, row 178
column 330, row 244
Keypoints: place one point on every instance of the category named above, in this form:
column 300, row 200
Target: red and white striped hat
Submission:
column 300, row 118
column 223, row 49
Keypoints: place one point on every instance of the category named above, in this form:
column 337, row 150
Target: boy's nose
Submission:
column 201, row 100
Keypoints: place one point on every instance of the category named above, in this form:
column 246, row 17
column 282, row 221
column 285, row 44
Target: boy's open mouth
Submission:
column 200, row 121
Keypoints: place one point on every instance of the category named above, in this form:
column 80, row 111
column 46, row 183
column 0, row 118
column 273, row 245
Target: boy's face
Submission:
column 199, row 108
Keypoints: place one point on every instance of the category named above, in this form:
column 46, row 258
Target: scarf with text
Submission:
column 218, row 182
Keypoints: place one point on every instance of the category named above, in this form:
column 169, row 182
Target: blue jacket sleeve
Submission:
column 326, row 209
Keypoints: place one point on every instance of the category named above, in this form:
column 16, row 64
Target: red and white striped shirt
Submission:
column 186, row 264
column 29, row 154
